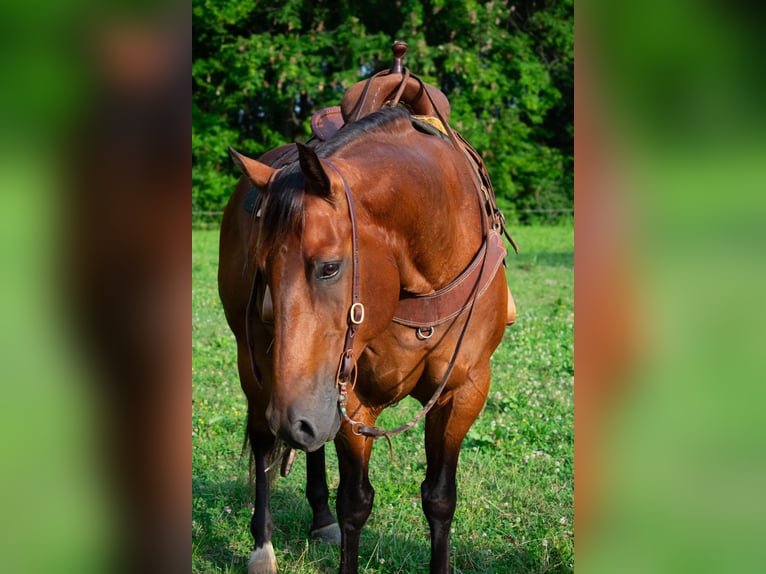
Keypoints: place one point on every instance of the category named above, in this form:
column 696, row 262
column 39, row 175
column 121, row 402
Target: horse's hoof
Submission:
column 329, row 534
column 263, row 560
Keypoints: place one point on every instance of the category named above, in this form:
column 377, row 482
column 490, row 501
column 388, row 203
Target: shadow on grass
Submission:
column 214, row 529
column 223, row 544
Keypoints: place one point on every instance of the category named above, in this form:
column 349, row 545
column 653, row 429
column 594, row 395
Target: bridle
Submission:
column 347, row 365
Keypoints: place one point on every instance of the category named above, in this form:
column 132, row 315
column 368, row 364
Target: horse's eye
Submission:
column 328, row 270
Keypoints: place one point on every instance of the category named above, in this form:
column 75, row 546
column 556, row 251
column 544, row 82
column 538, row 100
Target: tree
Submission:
column 261, row 69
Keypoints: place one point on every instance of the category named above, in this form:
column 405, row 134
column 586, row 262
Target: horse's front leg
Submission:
column 262, row 560
column 323, row 526
column 355, row 494
column 446, row 426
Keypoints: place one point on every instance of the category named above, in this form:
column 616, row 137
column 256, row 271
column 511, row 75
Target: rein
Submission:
column 347, row 371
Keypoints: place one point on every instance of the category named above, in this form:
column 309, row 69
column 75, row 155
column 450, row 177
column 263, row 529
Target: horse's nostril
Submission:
column 305, row 429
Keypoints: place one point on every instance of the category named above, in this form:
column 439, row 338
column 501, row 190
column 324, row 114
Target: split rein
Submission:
column 347, row 368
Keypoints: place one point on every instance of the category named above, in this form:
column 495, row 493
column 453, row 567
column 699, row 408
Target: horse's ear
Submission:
column 258, row 172
column 317, row 181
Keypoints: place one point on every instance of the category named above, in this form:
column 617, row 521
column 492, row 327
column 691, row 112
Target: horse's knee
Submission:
column 354, row 505
column 262, row 560
column 438, row 504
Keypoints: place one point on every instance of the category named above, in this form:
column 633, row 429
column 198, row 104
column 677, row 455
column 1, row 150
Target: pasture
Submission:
column 515, row 479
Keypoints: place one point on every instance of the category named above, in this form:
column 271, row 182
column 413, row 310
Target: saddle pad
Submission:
column 430, row 125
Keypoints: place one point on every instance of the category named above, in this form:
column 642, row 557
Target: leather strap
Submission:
column 445, row 304
column 356, row 311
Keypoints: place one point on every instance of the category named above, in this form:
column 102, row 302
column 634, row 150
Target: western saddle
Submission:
column 430, row 113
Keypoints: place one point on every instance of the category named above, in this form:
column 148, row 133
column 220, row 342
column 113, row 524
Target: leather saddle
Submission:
column 430, row 111
column 388, row 87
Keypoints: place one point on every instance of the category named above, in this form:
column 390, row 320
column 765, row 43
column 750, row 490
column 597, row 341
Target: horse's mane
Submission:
column 281, row 208
column 375, row 122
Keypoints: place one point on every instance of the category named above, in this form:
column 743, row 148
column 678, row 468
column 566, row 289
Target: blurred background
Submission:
column 94, row 214
column 669, row 273
column 94, row 362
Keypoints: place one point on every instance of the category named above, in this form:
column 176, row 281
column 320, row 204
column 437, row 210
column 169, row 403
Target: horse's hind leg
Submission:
column 262, row 560
column 323, row 527
column 446, row 426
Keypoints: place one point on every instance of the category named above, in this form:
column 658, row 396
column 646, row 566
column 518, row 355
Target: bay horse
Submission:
column 359, row 271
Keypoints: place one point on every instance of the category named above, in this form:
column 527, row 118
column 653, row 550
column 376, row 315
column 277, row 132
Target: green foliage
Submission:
column 515, row 507
column 260, row 70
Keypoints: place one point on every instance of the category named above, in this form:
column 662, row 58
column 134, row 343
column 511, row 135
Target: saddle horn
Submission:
column 398, row 48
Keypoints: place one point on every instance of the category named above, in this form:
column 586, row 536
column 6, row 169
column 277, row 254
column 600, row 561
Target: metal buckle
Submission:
column 352, row 313
column 424, row 333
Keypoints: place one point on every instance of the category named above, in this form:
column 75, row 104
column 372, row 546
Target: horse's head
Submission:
column 305, row 252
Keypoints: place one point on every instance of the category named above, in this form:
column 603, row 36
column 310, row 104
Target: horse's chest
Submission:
column 388, row 374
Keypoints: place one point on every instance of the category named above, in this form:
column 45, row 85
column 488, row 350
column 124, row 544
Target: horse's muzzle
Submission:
column 305, row 427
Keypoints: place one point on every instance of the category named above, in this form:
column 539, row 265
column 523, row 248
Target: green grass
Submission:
column 515, row 480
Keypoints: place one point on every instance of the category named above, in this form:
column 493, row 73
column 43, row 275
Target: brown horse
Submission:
column 368, row 268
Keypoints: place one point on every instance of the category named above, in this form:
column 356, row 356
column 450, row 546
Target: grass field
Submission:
column 515, row 480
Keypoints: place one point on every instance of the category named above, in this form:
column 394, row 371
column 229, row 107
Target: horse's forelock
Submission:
column 282, row 209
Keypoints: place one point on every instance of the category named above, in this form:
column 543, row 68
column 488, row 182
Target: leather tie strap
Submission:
column 428, row 311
